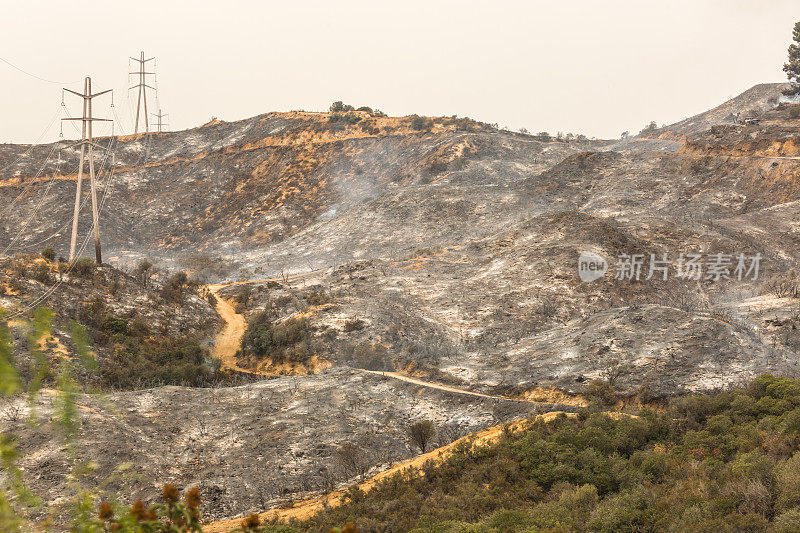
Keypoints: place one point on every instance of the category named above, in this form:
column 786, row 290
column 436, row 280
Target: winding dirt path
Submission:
column 227, row 342
column 225, row 347
column 437, row 386
column 305, row 509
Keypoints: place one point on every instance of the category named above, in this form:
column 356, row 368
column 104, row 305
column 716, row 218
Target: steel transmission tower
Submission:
column 142, row 96
column 86, row 144
column 160, row 116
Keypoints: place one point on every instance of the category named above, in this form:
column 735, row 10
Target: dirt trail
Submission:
column 437, row 386
column 228, row 340
column 225, row 347
column 305, row 509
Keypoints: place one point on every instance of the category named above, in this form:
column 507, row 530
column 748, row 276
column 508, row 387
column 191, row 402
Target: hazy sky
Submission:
column 596, row 67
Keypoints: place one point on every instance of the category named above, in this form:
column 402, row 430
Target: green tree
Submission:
column 792, row 67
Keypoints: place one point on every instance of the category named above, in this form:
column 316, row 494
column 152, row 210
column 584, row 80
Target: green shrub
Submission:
column 116, row 325
column 286, row 341
column 339, row 106
column 600, row 392
column 350, row 118
column 158, row 361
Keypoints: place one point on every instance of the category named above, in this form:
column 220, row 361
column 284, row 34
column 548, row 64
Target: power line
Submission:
column 35, row 143
column 85, row 243
column 30, row 217
column 57, row 233
column 106, row 187
column 52, row 289
column 12, row 65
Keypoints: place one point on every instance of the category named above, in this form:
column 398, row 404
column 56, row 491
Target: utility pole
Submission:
column 160, row 116
column 87, row 144
column 142, row 86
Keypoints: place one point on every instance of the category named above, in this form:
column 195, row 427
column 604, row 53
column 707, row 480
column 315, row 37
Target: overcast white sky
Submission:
column 582, row 66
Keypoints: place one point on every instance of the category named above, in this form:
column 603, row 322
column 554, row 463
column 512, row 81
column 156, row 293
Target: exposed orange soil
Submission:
column 305, row 138
column 228, row 340
column 305, row 509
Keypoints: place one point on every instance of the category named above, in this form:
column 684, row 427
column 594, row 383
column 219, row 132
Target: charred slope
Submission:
column 748, row 104
column 244, row 447
column 506, row 308
column 233, row 187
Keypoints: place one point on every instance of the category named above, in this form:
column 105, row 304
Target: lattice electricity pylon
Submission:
column 160, row 116
column 142, row 96
column 87, row 144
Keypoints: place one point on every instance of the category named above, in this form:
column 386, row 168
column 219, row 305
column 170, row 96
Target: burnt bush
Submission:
column 241, row 299
column 175, row 287
column 318, row 297
column 421, row 123
column 84, row 267
column 354, row 324
column 210, row 267
column 367, row 355
column 41, row 273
